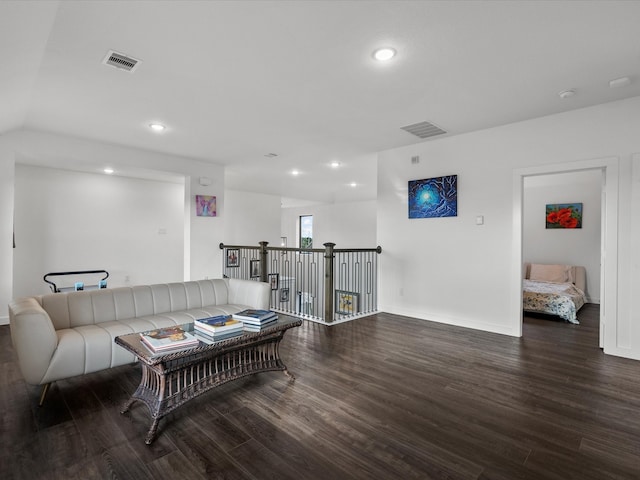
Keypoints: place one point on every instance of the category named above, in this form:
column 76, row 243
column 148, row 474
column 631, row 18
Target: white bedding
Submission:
column 561, row 299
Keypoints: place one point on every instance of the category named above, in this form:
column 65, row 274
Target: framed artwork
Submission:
column 433, row 197
column 284, row 295
column 346, row 302
column 233, row 257
column 254, row 268
column 563, row 215
column 205, row 206
column 274, row 280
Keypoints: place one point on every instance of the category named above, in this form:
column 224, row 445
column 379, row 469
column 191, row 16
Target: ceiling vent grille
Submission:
column 121, row 61
column 423, row 129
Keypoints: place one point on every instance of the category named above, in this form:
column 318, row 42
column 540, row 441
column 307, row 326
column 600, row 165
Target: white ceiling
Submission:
column 236, row 80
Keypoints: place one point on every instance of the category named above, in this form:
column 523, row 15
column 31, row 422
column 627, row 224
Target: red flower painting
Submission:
column 564, row 215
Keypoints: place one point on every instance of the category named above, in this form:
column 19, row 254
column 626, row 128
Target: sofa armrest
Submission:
column 33, row 337
column 249, row 292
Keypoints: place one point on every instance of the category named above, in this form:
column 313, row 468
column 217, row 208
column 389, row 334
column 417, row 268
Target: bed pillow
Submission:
column 551, row 273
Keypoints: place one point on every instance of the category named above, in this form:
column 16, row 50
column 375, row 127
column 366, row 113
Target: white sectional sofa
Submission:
column 62, row 335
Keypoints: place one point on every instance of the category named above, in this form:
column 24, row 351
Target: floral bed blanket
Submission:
column 561, row 299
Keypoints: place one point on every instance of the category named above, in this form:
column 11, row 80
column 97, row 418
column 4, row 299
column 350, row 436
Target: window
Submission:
column 306, row 231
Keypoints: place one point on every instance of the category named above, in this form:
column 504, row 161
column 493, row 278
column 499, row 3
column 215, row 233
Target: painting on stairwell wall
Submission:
column 284, row 295
column 233, row 257
column 346, row 302
column 254, row 268
column 205, row 206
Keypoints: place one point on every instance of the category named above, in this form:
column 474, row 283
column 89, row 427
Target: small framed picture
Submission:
column 284, row 295
column 233, row 257
column 274, row 280
column 563, row 215
column 346, row 302
column 205, row 206
column 254, row 268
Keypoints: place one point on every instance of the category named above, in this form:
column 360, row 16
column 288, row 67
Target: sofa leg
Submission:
column 45, row 389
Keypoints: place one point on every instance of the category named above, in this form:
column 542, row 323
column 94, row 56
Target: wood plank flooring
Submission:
column 382, row 397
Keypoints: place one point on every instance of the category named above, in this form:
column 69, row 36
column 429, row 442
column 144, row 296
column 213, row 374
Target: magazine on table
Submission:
column 255, row 315
column 217, row 324
column 214, row 334
column 256, row 327
column 169, row 351
column 209, row 339
column 168, row 338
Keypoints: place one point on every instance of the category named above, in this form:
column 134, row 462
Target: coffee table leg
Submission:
column 151, row 435
column 127, row 405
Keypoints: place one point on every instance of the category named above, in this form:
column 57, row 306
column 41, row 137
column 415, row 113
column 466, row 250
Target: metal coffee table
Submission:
column 173, row 378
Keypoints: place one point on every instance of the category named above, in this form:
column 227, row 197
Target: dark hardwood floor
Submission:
column 383, row 397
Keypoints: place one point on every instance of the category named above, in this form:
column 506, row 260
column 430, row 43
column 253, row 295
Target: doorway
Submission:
column 609, row 240
column 580, row 245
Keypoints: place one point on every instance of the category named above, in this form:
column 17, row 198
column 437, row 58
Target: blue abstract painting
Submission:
column 433, row 197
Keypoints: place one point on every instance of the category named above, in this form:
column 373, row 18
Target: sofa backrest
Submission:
column 68, row 310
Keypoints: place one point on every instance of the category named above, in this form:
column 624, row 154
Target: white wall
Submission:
column 253, row 218
column 571, row 247
column 454, row 271
column 203, row 257
column 629, row 250
column 348, row 225
column 70, row 221
column 201, row 236
column 7, row 172
column 257, row 217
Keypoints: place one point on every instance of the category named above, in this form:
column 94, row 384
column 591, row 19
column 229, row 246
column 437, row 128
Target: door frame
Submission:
column 608, row 244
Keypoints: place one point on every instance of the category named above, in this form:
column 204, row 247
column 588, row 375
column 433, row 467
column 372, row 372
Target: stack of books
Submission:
column 217, row 328
column 254, row 320
column 168, row 339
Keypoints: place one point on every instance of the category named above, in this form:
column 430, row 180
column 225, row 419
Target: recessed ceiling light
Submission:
column 567, row 93
column 295, row 172
column 157, row 127
column 108, row 170
column 384, row 54
column 353, row 184
column 270, row 155
column 620, row 82
column 335, row 164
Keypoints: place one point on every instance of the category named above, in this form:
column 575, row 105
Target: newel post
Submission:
column 329, row 257
column 263, row 261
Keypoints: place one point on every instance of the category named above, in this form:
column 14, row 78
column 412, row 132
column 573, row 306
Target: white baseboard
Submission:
column 458, row 322
column 4, row 320
column 623, row 352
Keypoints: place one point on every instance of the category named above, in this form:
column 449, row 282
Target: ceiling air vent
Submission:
column 121, row 61
column 423, row 129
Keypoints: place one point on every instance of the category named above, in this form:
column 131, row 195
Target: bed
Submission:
column 554, row 290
